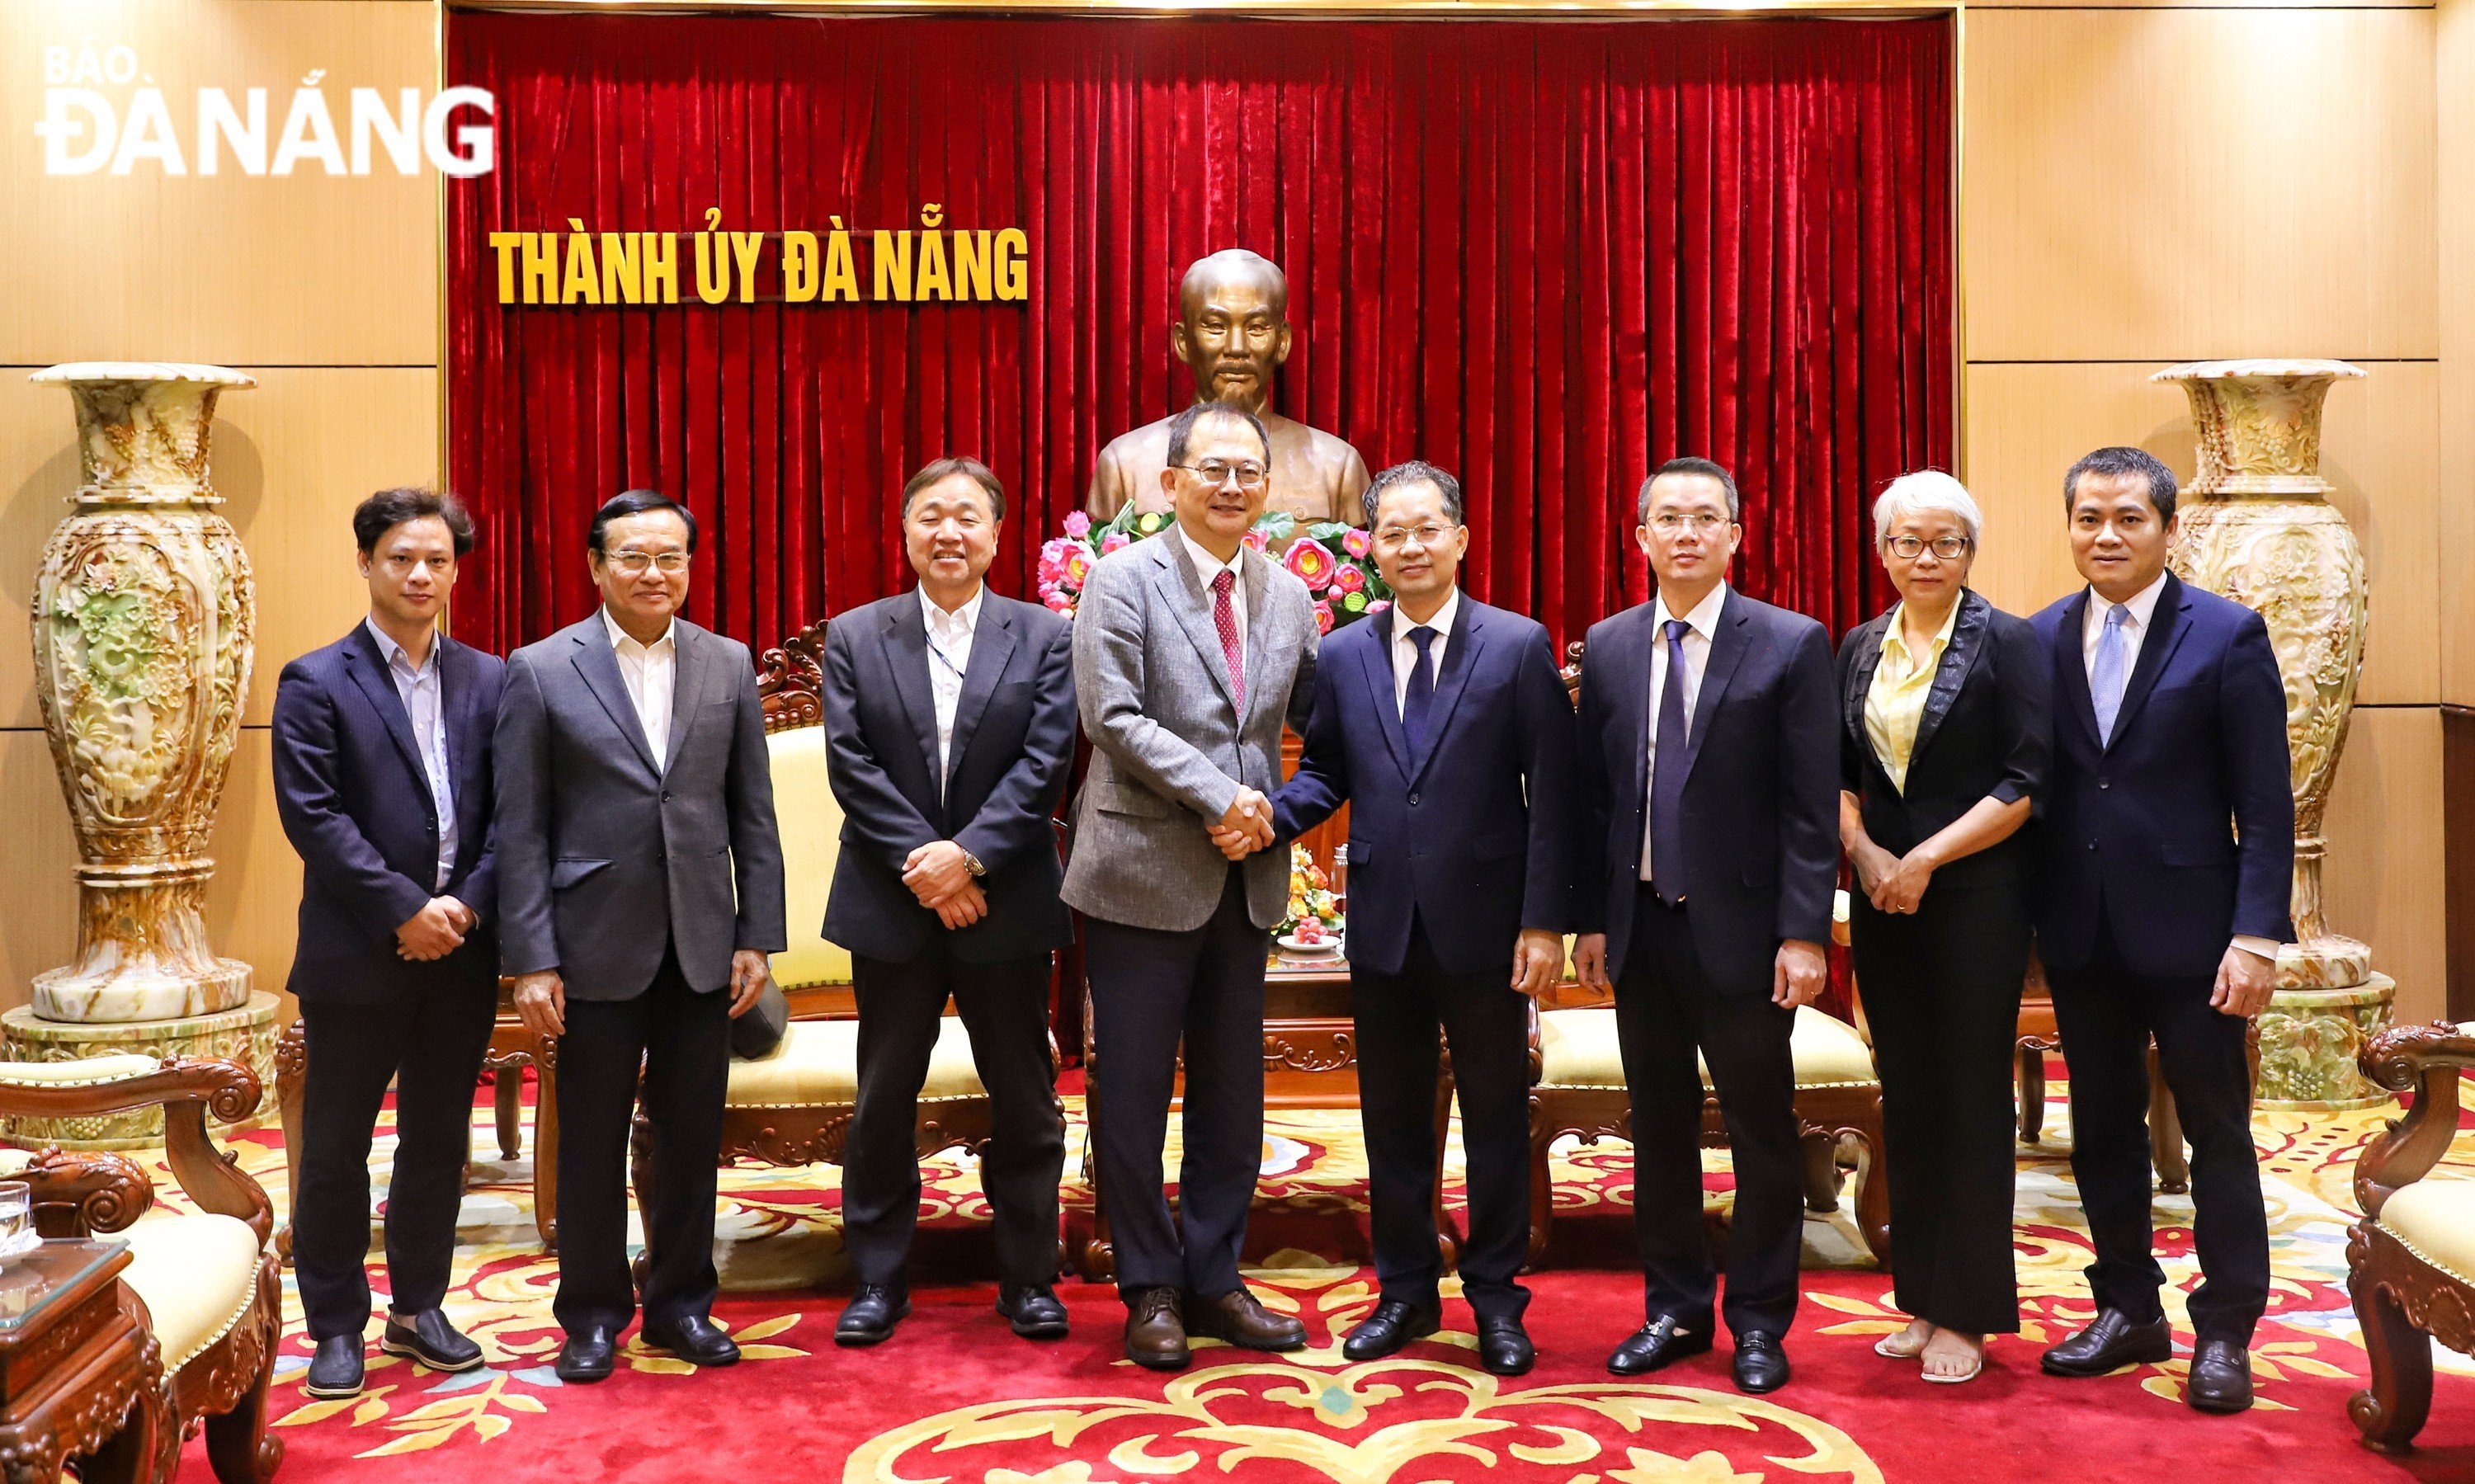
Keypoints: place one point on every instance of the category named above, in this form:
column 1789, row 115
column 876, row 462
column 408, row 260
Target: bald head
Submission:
column 1233, row 327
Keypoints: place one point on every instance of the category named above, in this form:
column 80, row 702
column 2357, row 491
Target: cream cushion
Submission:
column 2436, row 1217
column 810, row 826
column 198, row 1276
column 79, row 1074
column 13, row 1163
column 817, row 1063
column 1578, row 1049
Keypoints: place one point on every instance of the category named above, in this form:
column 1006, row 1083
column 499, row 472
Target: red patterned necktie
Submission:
column 1224, row 617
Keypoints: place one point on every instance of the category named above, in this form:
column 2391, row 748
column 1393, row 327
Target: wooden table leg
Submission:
column 546, row 1140
column 291, row 1079
column 507, row 1094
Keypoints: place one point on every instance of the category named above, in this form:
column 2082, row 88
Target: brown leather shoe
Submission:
column 1237, row 1318
column 1153, row 1338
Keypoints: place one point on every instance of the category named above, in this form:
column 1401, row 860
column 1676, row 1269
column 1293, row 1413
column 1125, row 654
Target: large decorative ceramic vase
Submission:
column 2257, row 526
column 142, row 616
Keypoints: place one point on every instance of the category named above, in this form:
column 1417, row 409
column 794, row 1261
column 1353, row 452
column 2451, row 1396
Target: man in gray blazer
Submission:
column 641, row 876
column 1190, row 651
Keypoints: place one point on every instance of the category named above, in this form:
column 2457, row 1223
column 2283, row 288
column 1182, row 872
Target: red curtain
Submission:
column 1543, row 255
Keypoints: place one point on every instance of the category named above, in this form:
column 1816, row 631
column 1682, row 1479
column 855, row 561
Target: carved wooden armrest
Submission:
column 80, row 1192
column 2424, row 1059
column 188, row 1091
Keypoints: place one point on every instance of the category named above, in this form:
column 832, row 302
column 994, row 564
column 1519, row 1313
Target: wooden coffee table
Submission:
column 81, row 1375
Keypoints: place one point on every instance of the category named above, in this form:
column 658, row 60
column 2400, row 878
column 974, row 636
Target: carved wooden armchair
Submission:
column 208, row 1281
column 1581, row 1090
column 2411, row 1260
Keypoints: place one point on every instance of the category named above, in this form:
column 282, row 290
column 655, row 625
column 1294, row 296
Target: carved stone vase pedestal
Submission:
column 247, row 1036
column 142, row 629
column 2257, row 526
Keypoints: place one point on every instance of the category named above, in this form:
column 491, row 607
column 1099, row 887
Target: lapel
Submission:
column 1629, row 647
column 2070, row 665
column 1727, row 646
column 2166, row 630
column 455, row 667
column 991, row 646
column 1376, row 665
column 1460, row 658
column 1967, row 643
column 369, row 671
column 1187, row 598
column 599, row 664
column 1255, row 571
column 689, row 665
column 1870, row 641
column 906, row 653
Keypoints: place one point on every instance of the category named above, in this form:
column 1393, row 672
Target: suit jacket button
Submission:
column 1413, row 801
column 2092, row 845
column 666, row 798
column 2102, row 783
column 664, row 855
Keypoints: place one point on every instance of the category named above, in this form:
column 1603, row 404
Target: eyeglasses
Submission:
column 1392, row 538
column 1667, row 522
column 1950, row 548
column 633, row 562
column 1218, row 471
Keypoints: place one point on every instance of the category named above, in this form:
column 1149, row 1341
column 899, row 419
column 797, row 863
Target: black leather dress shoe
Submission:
column 429, row 1338
column 695, row 1339
column 1395, row 1322
column 2221, row 1380
column 1503, row 1346
column 1657, row 1344
column 1034, row 1311
column 1761, row 1362
column 587, row 1356
column 871, row 1315
column 336, row 1371
column 2110, row 1342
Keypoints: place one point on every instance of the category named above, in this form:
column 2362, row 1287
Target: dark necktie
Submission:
column 1421, row 699
column 1667, row 774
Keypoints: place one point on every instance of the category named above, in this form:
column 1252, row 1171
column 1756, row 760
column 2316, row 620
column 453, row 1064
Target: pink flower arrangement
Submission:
column 1329, row 558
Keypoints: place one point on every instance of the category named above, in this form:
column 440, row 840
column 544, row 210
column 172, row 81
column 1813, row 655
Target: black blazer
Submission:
column 1987, row 732
column 355, row 801
column 1474, row 836
column 1011, row 751
column 1761, row 788
column 2179, row 831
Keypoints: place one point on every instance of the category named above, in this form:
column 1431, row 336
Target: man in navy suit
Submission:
column 382, row 781
column 1710, row 757
column 949, row 724
column 2168, row 841
column 1443, row 725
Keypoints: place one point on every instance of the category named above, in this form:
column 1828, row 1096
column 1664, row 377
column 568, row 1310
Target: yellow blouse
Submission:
column 1896, row 705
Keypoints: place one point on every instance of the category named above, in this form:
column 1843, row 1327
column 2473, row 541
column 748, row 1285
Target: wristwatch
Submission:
column 972, row 863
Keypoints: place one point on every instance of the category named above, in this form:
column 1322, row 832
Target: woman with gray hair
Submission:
column 1944, row 746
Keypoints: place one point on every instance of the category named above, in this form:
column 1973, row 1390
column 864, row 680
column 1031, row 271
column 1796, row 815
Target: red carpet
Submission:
column 956, row 1397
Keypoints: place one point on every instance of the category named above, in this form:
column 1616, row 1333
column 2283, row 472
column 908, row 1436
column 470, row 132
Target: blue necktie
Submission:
column 1667, row 774
column 2106, row 676
column 1421, row 699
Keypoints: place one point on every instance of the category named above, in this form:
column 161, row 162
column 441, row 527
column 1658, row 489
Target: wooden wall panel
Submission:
column 2026, row 424
column 250, row 904
column 292, row 457
column 2385, row 881
column 304, row 269
column 2169, row 185
column 2454, row 79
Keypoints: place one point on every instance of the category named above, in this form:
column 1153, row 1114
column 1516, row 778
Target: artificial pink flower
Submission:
column 1059, row 602
column 1323, row 617
column 1078, row 566
column 1355, row 543
column 1078, row 525
column 1379, row 605
column 1257, row 538
column 1116, row 540
column 1349, row 578
column 1313, row 564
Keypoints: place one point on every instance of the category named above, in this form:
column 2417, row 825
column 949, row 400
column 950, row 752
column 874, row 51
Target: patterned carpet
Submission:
column 954, row 1396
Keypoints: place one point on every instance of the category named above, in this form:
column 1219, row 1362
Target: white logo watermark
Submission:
column 84, row 132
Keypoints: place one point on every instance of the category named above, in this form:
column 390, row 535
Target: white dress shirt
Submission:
column 1405, row 650
column 1207, row 566
column 2139, row 609
column 949, row 655
column 650, row 673
column 1704, row 621
column 425, row 701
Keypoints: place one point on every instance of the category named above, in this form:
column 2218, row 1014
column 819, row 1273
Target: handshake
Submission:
column 1247, row 826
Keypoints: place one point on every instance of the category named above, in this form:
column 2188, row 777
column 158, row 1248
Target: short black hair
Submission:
column 387, row 509
column 637, row 503
column 1689, row 466
column 1414, row 472
column 2115, row 462
column 937, row 469
column 1182, row 425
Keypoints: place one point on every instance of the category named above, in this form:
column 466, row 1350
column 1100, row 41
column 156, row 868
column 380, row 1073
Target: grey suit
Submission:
column 636, row 880
column 1168, row 750
column 1175, row 933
